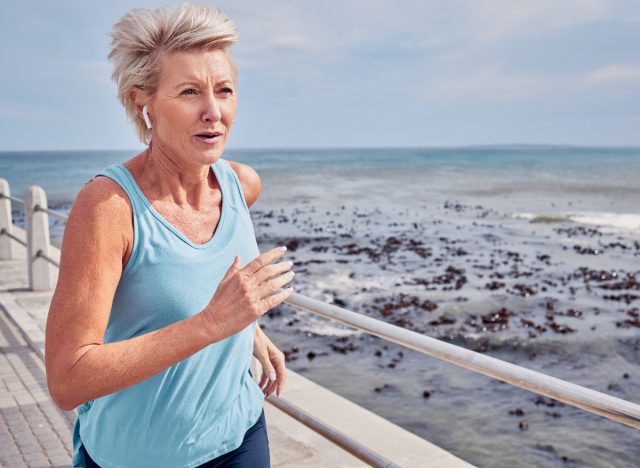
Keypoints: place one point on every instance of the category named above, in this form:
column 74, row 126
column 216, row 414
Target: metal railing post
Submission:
column 41, row 274
column 6, row 222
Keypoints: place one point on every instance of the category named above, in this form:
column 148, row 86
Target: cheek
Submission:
column 228, row 110
column 179, row 119
column 185, row 113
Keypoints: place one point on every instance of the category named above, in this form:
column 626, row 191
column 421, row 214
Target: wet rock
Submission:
column 626, row 298
column 578, row 231
column 548, row 402
column 443, row 320
column 524, row 290
column 339, row 302
column 634, row 322
column 385, row 388
column 587, row 250
column 343, row 345
column 387, row 307
column 491, row 322
column 293, row 245
column 560, row 328
column 574, row 313
column 291, row 354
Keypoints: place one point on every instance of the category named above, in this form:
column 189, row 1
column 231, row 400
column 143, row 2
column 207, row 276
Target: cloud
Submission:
column 490, row 83
column 492, row 20
column 613, row 74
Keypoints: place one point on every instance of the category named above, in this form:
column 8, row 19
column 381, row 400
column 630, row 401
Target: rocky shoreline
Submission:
column 467, row 275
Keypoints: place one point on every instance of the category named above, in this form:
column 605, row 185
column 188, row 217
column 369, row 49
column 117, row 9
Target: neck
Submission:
column 170, row 179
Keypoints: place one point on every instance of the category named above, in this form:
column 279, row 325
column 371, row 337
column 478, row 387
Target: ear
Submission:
column 139, row 99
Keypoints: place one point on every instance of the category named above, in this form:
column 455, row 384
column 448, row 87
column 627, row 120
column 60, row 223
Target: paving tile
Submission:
column 61, row 461
column 14, row 462
column 37, row 461
column 7, row 402
column 33, row 431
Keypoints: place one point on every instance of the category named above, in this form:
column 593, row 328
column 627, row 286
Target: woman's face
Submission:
column 194, row 106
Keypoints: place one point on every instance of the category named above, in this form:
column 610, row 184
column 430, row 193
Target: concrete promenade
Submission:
column 35, row 433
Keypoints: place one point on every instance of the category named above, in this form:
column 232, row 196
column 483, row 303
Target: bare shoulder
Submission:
column 100, row 218
column 104, row 200
column 249, row 179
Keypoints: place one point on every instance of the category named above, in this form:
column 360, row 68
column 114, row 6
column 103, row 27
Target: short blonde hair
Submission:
column 141, row 37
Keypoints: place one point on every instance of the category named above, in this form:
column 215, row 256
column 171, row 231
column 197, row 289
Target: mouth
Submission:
column 209, row 137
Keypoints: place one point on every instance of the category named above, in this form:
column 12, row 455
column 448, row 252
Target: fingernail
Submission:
column 288, row 263
column 272, row 376
column 283, row 248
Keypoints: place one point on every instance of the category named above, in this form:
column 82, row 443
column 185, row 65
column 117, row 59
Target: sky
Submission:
column 348, row 73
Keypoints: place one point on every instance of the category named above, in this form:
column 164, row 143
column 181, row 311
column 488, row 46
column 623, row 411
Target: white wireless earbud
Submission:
column 145, row 116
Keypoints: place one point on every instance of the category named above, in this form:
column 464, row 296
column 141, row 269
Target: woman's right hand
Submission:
column 245, row 294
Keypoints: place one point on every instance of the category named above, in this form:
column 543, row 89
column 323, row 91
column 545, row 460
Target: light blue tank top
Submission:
column 201, row 407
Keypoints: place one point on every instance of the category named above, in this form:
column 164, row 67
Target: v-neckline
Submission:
column 223, row 210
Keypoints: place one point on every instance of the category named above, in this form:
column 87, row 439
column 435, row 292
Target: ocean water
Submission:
column 526, row 253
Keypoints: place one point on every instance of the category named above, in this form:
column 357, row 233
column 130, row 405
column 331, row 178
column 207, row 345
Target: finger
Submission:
column 270, row 373
column 265, row 364
column 276, row 364
column 271, row 388
column 281, row 373
column 265, row 259
column 270, row 302
column 271, row 286
column 267, row 377
column 233, row 269
column 263, row 379
column 272, row 270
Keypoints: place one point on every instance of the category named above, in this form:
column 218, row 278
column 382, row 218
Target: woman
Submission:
column 153, row 321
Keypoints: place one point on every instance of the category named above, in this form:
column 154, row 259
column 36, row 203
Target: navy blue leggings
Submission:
column 253, row 452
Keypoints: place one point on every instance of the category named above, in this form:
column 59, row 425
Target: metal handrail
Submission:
column 41, row 254
column 15, row 199
column 4, row 232
column 581, row 397
column 342, row 440
column 55, row 214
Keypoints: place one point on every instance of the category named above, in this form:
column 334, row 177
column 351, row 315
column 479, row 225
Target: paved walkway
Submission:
column 34, row 432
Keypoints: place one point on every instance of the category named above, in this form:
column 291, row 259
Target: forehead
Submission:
column 203, row 66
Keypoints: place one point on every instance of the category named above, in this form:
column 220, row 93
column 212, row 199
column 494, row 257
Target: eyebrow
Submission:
column 197, row 83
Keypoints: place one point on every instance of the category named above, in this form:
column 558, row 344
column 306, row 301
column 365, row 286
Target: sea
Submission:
column 529, row 254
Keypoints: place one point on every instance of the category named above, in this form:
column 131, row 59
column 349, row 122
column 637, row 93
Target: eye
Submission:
column 226, row 90
column 188, row 92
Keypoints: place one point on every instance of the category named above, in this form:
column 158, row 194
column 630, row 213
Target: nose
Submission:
column 211, row 110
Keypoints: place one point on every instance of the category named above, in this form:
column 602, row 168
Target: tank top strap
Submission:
column 119, row 174
column 232, row 183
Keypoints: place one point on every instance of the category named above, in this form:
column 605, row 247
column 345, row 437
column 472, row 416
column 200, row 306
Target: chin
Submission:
column 210, row 156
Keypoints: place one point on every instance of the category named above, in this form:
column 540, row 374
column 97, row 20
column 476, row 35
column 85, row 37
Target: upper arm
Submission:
column 96, row 239
column 249, row 180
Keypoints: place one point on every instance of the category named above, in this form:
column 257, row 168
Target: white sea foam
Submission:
column 619, row 221
column 323, row 327
column 625, row 221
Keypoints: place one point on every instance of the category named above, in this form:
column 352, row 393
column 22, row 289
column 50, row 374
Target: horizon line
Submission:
column 334, row 148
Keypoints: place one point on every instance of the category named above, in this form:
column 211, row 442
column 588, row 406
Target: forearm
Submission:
column 102, row 369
